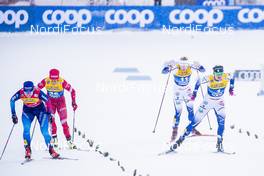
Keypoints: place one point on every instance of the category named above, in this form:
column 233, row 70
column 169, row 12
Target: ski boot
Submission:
column 53, row 153
column 174, row 134
column 71, row 144
column 196, row 132
column 54, row 141
column 177, row 144
column 219, row 145
column 28, row 152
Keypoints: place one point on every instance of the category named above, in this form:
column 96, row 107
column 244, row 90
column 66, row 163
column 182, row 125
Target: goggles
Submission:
column 28, row 89
column 218, row 73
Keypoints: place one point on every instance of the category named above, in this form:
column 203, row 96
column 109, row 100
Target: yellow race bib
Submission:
column 213, row 84
column 29, row 101
column 183, row 73
column 54, row 85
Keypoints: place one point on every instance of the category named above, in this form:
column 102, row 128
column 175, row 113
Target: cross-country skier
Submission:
column 182, row 90
column 55, row 86
column 216, row 85
column 33, row 98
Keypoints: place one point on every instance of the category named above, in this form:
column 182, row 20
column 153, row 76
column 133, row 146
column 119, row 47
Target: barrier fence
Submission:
column 100, row 18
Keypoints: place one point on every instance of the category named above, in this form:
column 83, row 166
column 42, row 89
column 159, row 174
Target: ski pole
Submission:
column 33, row 131
column 167, row 82
column 73, row 126
column 7, row 141
column 203, row 98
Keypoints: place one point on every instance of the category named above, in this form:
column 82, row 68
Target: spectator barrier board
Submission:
column 95, row 18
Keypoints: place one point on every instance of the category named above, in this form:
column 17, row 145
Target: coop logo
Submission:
column 214, row 3
column 251, row 15
column 10, row 17
column 70, row 17
column 132, row 16
column 200, row 16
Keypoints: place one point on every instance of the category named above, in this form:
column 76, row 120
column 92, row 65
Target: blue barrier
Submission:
column 68, row 19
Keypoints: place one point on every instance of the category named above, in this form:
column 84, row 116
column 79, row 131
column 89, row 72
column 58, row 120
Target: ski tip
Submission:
column 61, row 158
column 224, row 152
column 166, row 152
column 233, row 153
column 202, row 135
column 65, row 158
column 26, row 161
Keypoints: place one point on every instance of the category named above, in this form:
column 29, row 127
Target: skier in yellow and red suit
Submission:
column 55, row 86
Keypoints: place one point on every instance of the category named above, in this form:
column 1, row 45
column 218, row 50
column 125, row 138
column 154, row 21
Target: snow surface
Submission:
column 120, row 115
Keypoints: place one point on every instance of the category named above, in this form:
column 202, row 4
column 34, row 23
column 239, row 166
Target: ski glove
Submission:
column 231, row 91
column 166, row 70
column 74, row 106
column 201, row 69
column 193, row 95
column 14, row 119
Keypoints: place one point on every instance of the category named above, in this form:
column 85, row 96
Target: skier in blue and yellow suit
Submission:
column 33, row 98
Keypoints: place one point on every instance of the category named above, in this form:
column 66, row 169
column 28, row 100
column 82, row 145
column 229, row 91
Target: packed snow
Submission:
column 119, row 114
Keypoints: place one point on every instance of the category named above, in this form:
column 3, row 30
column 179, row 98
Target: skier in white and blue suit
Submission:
column 216, row 84
column 182, row 90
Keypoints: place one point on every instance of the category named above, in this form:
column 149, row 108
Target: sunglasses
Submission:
column 218, row 73
column 28, row 90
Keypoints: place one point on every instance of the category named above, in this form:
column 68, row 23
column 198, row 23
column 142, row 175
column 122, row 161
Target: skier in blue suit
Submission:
column 33, row 105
